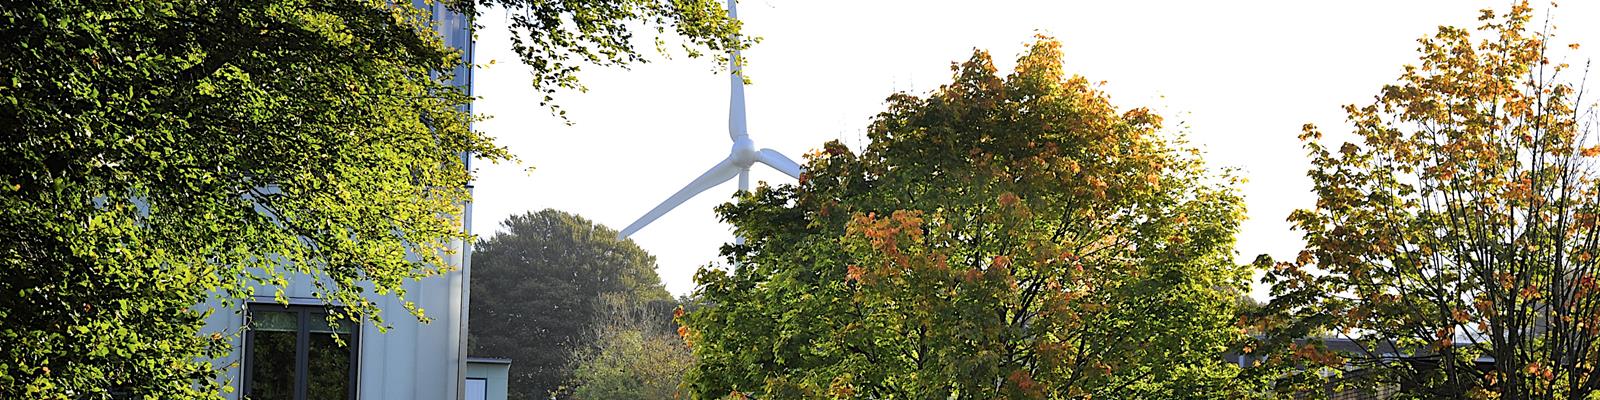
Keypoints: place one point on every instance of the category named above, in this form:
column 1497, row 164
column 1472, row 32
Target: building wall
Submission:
column 412, row 360
column 496, row 372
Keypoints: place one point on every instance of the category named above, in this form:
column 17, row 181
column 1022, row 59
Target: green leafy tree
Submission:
column 1456, row 231
column 632, row 353
column 159, row 152
column 558, row 38
column 1013, row 236
column 539, row 287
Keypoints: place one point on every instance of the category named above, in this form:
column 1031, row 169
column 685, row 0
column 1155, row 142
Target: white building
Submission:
column 290, row 353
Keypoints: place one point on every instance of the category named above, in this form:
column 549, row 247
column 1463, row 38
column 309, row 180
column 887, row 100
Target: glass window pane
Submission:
column 276, row 321
column 328, row 372
column 272, row 365
column 319, row 324
column 477, row 389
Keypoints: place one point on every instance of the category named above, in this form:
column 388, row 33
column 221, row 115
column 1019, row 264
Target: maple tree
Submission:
column 1015, row 236
column 1455, row 236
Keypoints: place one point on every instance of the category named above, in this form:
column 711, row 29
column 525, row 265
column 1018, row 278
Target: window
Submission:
column 477, row 389
column 290, row 353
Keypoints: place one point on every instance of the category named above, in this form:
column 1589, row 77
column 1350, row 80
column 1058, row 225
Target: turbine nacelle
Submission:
column 744, row 152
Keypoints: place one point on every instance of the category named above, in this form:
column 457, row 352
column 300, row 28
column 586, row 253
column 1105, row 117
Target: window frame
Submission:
column 302, row 357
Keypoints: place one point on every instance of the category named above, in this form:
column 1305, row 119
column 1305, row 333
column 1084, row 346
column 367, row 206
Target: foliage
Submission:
column 558, row 38
column 1004, row 237
column 159, row 152
column 1459, row 228
column 633, row 353
column 539, row 286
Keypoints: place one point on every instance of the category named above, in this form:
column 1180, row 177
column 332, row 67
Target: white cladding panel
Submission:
column 412, row 360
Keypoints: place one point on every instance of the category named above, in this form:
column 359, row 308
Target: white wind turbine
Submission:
column 740, row 159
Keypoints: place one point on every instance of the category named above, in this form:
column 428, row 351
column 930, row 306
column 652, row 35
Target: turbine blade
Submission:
column 736, row 119
column 778, row 161
column 720, row 173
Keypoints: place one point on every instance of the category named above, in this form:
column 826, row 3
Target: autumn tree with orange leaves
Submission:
column 1005, row 237
column 1456, row 236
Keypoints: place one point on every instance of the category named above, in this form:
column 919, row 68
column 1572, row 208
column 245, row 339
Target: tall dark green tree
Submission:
column 541, row 285
column 152, row 153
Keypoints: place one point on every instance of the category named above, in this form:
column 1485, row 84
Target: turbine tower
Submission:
column 739, row 160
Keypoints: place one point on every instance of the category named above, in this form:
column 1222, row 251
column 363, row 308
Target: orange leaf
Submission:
column 853, row 273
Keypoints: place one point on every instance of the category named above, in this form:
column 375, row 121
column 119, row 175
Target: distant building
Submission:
column 487, row 378
column 289, row 352
column 1336, row 390
column 1359, row 353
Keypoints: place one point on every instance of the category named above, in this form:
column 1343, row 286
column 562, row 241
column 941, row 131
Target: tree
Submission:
column 1004, row 237
column 538, row 288
column 558, row 38
column 632, row 353
column 1458, row 228
column 159, row 152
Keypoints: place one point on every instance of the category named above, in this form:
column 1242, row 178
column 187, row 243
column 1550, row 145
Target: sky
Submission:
column 1239, row 78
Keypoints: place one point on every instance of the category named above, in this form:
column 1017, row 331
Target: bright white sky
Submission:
column 1241, row 75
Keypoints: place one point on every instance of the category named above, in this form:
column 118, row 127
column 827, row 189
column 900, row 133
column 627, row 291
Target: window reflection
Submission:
column 295, row 354
column 272, row 357
column 329, row 362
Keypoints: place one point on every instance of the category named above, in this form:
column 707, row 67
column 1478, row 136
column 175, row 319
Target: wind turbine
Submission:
column 739, row 160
